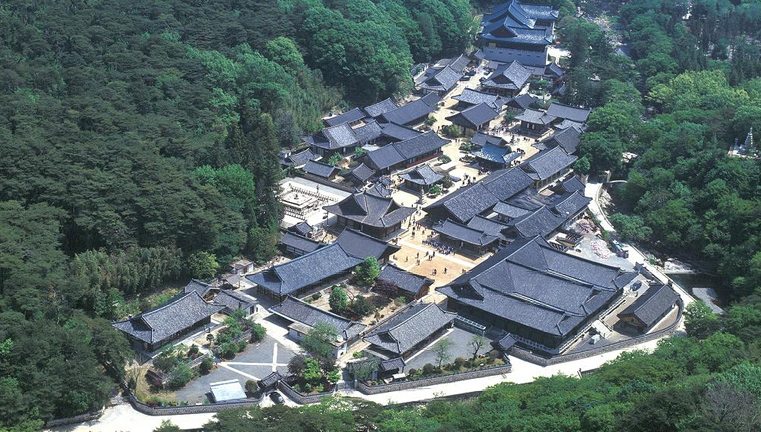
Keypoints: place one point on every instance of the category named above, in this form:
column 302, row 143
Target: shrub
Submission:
column 307, row 388
column 458, row 362
column 361, row 306
column 258, row 332
column 319, row 388
column 412, row 372
column 193, row 350
column 251, row 387
column 296, row 365
column 428, row 369
column 180, row 375
column 358, row 354
column 242, row 345
column 228, row 349
column 166, row 361
column 206, row 365
column 445, row 159
column 316, row 296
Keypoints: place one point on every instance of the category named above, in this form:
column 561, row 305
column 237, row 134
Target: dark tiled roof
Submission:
column 465, row 234
column 547, row 163
column 497, row 154
column 472, row 97
column 513, row 76
column 535, row 117
column 397, row 132
column 422, row 175
column 570, row 204
column 469, row 201
column 370, row 131
column 404, row 280
column 349, row 250
column 442, row 80
column 573, row 184
column 538, row 222
column 301, row 158
column 348, row 117
column 161, row 323
column 361, row 245
column 362, row 172
column 532, row 284
column 409, row 328
column 487, row 226
column 380, row 190
column 396, row 153
column 299, row 311
column 506, row 342
column 474, row 117
column 198, row 286
column 517, row 22
column 305, row 270
column 566, row 112
column 567, row 124
column 522, row 101
column 270, row 380
column 481, row 139
column 334, row 137
column 302, row 228
column 396, row 363
column 412, row 111
column 370, row 210
column 234, row 300
column 651, row 305
column 459, row 64
column 553, row 70
column 299, row 242
column 569, row 139
column 320, row 169
column 381, row 107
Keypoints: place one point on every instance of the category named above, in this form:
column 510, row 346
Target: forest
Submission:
column 139, row 147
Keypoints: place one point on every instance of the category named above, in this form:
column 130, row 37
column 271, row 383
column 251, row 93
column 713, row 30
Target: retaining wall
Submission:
column 76, row 419
column 299, row 397
column 190, row 409
column 441, row 379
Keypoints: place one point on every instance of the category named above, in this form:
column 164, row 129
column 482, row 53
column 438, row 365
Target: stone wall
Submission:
column 529, row 356
column 76, row 419
column 441, row 379
column 300, row 398
column 190, row 409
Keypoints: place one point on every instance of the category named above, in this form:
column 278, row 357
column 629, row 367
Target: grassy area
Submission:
column 138, row 304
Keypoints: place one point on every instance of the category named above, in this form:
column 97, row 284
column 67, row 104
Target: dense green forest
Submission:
column 139, row 146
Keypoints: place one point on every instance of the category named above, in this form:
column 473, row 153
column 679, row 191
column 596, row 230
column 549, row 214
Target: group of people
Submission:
column 441, row 247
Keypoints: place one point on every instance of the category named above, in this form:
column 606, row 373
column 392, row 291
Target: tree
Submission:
column 476, row 343
column 167, row 426
column 318, row 342
column 435, row 189
column 296, row 365
column 335, row 159
column 699, row 320
column 367, row 272
column 441, row 351
column 582, row 165
column 258, row 333
column 312, row 372
column 338, row 300
column 361, row 306
column 202, row 265
column 631, row 228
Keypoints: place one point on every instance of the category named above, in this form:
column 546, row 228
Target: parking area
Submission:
column 459, row 341
column 256, row 362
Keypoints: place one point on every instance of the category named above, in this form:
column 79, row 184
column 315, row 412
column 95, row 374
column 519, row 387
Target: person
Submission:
column 445, row 270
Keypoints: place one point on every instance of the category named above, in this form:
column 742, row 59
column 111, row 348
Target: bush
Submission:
column 242, row 345
column 428, row 369
column 358, row 354
column 458, row 362
column 228, row 349
column 193, row 350
column 206, row 365
column 412, row 372
column 307, row 388
column 166, row 361
column 445, row 159
column 361, row 306
column 180, row 375
column 258, row 332
column 316, row 296
column 338, row 300
column 251, row 387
